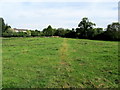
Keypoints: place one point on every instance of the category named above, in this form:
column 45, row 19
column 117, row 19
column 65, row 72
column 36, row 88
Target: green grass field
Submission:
column 59, row 63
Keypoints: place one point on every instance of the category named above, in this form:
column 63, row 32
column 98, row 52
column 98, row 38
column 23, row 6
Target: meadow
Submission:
column 59, row 63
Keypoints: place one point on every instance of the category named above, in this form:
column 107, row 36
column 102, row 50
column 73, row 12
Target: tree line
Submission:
column 85, row 30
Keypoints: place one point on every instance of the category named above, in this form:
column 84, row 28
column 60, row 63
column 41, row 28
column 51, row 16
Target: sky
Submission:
column 38, row 14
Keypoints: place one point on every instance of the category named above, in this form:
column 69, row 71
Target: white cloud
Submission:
column 38, row 16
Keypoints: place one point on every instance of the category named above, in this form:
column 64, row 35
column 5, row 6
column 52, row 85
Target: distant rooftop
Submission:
column 20, row 29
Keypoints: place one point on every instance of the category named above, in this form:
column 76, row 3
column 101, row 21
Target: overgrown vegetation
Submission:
column 85, row 30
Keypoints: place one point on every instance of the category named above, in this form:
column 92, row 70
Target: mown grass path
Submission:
column 63, row 52
column 62, row 78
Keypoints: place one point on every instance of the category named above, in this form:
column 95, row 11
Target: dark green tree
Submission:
column 2, row 25
column 35, row 33
column 112, row 32
column 113, row 27
column 94, row 32
column 85, row 26
column 60, row 32
column 49, row 31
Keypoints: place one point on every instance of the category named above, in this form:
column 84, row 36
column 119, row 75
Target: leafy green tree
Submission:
column 85, row 26
column 7, row 27
column 22, row 34
column 2, row 26
column 8, row 31
column 70, row 33
column 113, row 27
column 49, row 31
column 60, row 32
column 112, row 32
column 28, row 33
column 35, row 33
column 94, row 32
